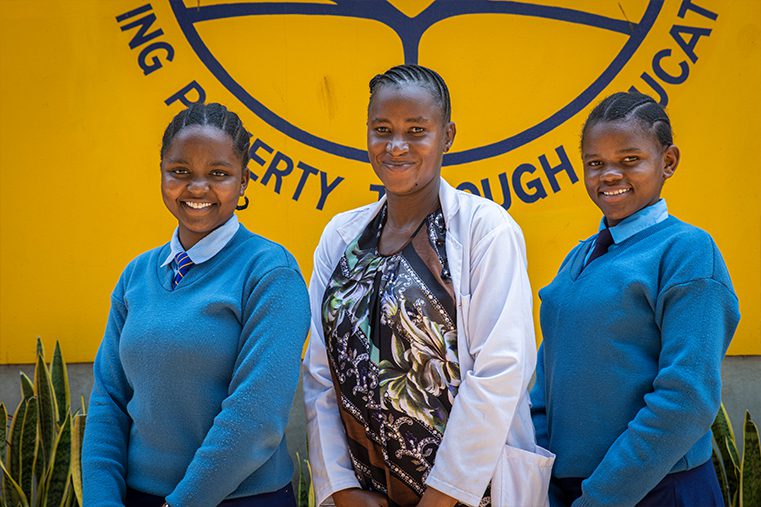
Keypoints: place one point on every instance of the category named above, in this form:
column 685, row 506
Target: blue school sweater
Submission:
column 193, row 386
column 629, row 373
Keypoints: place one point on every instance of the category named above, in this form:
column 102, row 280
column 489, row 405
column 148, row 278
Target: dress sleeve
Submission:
column 104, row 452
column 500, row 334
column 697, row 321
column 328, row 449
column 253, row 417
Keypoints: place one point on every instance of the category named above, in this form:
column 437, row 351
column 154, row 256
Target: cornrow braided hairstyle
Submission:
column 418, row 75
column 633, row 105
column 215, row 115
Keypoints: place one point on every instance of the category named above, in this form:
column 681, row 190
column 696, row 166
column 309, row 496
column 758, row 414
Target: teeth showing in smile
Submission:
column 198, row 205
column 616, row 192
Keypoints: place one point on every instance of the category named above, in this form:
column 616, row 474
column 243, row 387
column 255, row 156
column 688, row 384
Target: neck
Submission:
column 405, row 211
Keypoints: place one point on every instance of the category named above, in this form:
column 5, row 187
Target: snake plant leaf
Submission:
column 40, row 347
column 28, row 449
column 17, row 424
column 722, row 427
column 68, row 497
column 44, row 389
column 77, row 436
column 750, row 480
column 311, row 502
column 300, row 490
column 16, row 495
column 27, row 387
column 3, row 430
column 725, row 441
column 13, row 453
column 732, row 468
column 60, row 466
column 60, row 379
column 721, row 475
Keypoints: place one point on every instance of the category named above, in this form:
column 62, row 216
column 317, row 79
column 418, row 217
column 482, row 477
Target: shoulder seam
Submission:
column 694, row 280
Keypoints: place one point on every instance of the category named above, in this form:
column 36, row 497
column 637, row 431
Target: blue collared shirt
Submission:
column 634, row 223
column 207, row 247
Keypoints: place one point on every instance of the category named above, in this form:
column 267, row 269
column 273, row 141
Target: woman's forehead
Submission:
column 416, row 99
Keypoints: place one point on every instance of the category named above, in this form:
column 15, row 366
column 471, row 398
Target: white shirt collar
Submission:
column 208, row 246
column 639, row 221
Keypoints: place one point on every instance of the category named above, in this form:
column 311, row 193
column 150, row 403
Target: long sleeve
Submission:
column 252, row 420
column 499, row 330
column 697, row 320
column 539, row 403
column 104, row 454
column 328, row 450
column 539, row 418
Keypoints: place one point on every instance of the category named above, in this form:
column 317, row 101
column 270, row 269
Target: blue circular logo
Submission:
column 410, row 31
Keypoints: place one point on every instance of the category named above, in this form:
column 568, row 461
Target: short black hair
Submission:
column 633, row 105
column 215, row 115
column 418, row 75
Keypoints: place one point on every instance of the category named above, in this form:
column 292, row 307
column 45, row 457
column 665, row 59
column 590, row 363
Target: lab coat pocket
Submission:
column 522, row 478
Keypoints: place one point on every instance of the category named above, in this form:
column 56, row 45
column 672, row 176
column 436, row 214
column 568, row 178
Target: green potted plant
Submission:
column 40, row 450
column 739, row 476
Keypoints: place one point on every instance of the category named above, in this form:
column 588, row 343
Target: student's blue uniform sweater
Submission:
column 193, row 386
column 628, row 376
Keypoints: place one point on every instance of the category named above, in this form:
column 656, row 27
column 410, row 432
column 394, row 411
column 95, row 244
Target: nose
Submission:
column 611, row 172
column 397, row 146
column 198, row 185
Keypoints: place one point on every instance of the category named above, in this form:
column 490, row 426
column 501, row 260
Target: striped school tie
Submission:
column 183, row 266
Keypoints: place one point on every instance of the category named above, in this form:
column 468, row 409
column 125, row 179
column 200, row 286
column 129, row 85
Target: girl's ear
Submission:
column 670, row 161
column 451, row 130
column 244, row 180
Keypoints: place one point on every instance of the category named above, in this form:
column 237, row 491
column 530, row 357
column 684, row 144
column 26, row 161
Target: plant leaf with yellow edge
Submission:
column 59, row 377
column 750, row 478
column 77, row 436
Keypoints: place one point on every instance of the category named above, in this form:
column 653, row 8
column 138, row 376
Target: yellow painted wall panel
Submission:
column 83, row 114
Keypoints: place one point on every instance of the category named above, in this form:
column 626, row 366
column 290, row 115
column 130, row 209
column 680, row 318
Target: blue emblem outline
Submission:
column 410, row 31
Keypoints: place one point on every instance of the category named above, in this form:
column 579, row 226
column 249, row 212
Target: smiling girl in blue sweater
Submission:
column 195, row 376
column 635, row 325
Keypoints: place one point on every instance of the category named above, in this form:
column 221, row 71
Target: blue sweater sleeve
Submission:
column 539, row 418
column 697, row 320
column 104, row 453
column 538, row 403
column 253, row 417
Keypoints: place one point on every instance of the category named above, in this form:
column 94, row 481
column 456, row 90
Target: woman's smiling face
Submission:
column 407, row 137
column 625, row 167
column 202, row 178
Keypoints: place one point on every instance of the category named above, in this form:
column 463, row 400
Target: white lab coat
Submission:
column 489, row 434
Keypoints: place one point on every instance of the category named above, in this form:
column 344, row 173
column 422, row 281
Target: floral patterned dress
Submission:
column 391, row 337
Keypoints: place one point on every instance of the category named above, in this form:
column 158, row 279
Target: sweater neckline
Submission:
column 578, row 271
column 196, row 273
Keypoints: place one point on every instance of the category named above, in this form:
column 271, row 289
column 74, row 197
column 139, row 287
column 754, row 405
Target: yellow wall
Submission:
column 81, row 123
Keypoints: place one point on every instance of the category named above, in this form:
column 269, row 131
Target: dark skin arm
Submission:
column 355, row 497
column 435, row 498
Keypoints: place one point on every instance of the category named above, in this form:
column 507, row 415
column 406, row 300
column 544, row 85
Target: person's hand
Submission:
column 355, row 497
column 435, row 498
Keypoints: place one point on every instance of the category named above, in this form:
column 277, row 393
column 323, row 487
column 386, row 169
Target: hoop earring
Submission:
column 243, row 206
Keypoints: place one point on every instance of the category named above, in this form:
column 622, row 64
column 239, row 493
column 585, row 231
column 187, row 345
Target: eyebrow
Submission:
column 623, row 150
column 183, row 161
column 417, row 119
